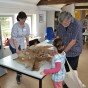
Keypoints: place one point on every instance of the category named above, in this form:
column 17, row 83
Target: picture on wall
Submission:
column 41, row 17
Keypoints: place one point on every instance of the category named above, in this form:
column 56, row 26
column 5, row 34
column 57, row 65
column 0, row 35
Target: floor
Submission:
column 8, row 80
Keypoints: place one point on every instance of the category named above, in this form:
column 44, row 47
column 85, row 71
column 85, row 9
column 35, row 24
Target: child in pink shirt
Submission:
column 58, row 61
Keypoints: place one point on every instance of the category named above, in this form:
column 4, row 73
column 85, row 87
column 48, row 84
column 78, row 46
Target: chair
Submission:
column 49, row 33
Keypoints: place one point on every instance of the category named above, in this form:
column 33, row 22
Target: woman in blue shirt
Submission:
column 70, row 30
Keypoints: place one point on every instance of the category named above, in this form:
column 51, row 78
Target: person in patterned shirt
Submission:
column 70, row 30
column 58, row 61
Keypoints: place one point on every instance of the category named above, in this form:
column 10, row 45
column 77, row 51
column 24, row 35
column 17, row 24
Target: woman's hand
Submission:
column 17, row 51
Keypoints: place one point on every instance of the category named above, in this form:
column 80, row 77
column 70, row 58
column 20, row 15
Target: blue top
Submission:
column 19, row 34
column 59, row 76
column 73, row 31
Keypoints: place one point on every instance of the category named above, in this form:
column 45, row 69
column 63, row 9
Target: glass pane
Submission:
column 29, row 21
column 6, row 25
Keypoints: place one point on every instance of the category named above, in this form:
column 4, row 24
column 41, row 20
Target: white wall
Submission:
column 50, row 19
column 41, row 26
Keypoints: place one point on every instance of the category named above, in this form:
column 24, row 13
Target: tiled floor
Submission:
column 9, row 81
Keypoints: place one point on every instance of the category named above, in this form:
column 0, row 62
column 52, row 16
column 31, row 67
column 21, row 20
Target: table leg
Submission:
column 40, row 83
column 84, row 39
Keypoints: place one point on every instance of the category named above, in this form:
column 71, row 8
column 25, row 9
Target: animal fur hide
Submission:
column 34, row 56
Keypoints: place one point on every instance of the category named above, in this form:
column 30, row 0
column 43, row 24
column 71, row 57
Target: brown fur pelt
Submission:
column 34, row 56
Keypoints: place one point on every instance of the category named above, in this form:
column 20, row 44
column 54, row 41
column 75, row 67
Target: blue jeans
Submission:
column 73, row 61
column 13, row 50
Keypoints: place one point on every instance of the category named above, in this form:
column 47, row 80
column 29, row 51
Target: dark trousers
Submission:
column 13, row 50
column 73, row 61
column 0, row 46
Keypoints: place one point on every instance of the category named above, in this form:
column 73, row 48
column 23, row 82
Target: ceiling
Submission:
column 79, row 4
column 50, row 3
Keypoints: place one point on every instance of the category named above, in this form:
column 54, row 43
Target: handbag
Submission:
column 71, row 78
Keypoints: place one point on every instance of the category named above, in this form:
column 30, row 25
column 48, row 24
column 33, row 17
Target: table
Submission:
column 10, row 62
column 85, row 34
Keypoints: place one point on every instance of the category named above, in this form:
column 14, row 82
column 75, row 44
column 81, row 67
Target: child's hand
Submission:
column 49, row 55
column 42, row 73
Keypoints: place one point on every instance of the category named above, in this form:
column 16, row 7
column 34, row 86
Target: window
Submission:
column 6, row 25
column 29, row 21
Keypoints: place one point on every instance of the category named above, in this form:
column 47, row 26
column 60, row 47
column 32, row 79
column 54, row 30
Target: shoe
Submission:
column 65, row 86
column 18, row 79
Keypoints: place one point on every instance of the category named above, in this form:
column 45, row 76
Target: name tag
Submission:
column 24, row 29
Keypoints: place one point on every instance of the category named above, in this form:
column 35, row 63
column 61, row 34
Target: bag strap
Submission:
column 69, row 65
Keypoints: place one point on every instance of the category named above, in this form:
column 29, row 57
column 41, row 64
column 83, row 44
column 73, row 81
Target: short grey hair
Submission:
column 65, row 16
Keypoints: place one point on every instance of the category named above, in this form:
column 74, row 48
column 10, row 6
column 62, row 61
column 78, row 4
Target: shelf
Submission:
column 56, row 20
